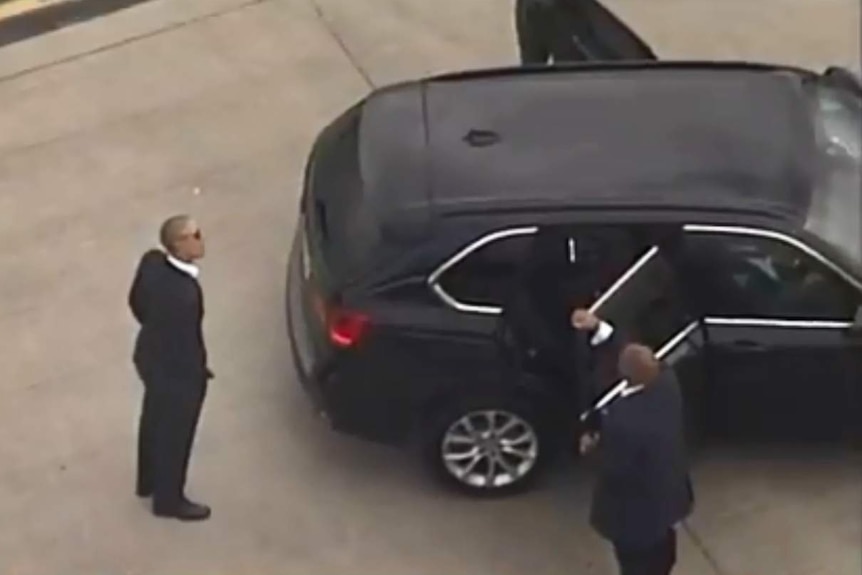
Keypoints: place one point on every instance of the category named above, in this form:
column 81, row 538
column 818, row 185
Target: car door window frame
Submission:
column 792, row 242
column 667, row 348
column 463, row 254
column 434, row 279
column 639, row 264
column 662, row 353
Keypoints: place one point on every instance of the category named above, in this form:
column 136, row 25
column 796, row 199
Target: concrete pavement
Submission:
column 108, row 126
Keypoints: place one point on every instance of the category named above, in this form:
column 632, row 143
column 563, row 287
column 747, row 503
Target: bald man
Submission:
column 171, row 360
column 643, row 488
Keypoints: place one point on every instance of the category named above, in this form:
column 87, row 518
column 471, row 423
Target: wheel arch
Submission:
column 536, row 393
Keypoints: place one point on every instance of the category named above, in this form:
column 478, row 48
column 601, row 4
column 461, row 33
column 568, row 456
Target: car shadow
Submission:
column 711, row 465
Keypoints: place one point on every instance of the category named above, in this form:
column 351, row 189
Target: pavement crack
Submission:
column 703, row 549
column 342, row 44
column 133, row 39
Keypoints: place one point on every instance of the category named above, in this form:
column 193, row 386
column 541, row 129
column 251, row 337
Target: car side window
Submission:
column 485, row 276
column 763, row 278
column 575, row 264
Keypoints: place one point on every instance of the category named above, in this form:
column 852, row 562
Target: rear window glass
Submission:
column 484, row 278
column 341, row 222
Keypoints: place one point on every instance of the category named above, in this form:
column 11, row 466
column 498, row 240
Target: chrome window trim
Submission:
column 464, row 253
column 624, row 278
column 778, row 236
column 672, row 343
column 780, row 323
column 676, row 340
column 621, row 386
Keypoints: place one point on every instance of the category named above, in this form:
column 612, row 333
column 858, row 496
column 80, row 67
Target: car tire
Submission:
column 487, row 446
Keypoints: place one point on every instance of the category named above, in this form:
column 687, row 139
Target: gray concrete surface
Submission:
column 108, row 126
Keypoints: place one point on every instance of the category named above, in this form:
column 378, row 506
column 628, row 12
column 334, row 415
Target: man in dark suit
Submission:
column 643, row 489
column 171, row 360
column 574, row 31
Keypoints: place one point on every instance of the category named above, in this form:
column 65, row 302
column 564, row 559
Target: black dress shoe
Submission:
column 185, row 511
column 143, row 492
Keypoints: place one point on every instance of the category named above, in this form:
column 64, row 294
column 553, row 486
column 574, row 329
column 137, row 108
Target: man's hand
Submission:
column 588, row 443
column 584, row 320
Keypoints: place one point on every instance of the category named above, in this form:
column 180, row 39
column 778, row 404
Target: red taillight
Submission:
column 343, row 327
column 346, row 328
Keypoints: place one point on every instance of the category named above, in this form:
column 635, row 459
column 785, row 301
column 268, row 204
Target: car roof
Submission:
column 684, row 135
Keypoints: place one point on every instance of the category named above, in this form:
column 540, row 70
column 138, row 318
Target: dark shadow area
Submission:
column 57, row 16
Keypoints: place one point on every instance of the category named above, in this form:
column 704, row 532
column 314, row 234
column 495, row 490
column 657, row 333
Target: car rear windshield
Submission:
column 341, row 224
column 835, row 211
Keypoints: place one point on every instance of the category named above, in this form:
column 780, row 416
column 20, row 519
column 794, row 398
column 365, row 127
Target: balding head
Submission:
column 638, row 364
column 181, row 237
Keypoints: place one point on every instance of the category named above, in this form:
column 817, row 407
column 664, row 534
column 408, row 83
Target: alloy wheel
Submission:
column 490, row 449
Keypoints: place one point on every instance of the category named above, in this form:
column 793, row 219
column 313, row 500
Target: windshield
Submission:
column 836, row 204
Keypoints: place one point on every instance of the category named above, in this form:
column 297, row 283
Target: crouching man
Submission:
column 643, row 488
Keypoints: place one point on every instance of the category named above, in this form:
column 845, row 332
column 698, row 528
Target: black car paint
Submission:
column 421, row 356
column 773, row 382
column 780, row 383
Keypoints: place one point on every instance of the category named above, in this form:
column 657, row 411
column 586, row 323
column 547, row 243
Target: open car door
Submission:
column 647, row 305
column 605, row 36
column 575, row 31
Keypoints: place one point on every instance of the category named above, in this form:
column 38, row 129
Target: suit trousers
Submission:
column 168, row 423
column 657, row 559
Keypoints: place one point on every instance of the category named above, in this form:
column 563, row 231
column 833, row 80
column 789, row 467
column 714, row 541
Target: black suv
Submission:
column 450, row 225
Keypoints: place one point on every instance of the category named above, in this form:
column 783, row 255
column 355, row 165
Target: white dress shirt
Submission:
column 602, row 334
column 185, row 267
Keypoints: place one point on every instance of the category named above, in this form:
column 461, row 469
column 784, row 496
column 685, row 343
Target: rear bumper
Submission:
column 304, row 373
column 354, row 391
column 306, row 380
column 341, row 412
column 345, row 403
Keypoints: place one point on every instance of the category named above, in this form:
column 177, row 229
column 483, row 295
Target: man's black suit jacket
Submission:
column 168, row 305
column 643, row 486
